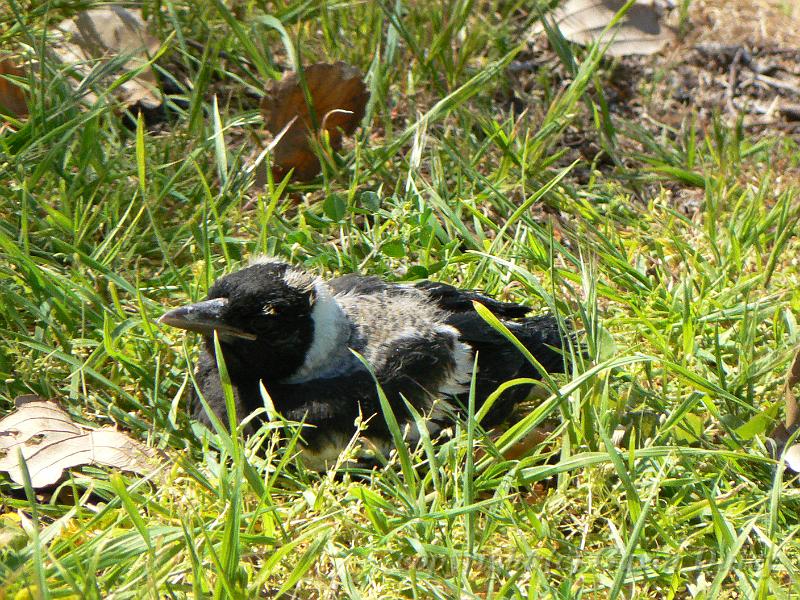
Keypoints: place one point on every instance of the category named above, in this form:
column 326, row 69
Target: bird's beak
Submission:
column 204, row 317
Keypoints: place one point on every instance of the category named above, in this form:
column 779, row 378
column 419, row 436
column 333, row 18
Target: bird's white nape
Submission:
column 329, row 343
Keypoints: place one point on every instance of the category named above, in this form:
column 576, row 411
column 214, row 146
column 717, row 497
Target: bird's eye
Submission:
column 269, row 310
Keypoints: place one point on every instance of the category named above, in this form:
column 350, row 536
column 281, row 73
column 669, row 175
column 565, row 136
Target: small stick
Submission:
column 733, row 76
column 777, row 83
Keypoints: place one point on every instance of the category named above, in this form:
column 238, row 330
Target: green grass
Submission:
column 687, row 318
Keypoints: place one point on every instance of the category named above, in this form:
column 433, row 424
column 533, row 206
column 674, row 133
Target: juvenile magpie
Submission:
column 293, row 332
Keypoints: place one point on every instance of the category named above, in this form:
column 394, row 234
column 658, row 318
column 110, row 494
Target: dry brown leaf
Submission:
column 522, row 447
column 640, row 31
column 784, row 431
column 50, row 441
column 339, row 97
column 12, row 99
column 101, row 34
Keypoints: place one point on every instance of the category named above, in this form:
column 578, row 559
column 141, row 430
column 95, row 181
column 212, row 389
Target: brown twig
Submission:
column 778, row 84
column 733, row 76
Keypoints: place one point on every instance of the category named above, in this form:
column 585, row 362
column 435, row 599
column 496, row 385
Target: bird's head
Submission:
column 262, row 315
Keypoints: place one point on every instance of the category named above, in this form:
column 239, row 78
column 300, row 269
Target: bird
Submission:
column 300, row 337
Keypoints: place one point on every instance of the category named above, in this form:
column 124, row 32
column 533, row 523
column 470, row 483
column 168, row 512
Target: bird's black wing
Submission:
column 500, row 361
column 416, row 368
column 453, row 299
column 446, row 296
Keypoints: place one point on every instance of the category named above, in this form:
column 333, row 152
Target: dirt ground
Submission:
column 732, row 61
column 737, row 59
column 740, row 61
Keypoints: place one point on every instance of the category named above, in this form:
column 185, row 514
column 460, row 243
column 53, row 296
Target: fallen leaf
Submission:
column 781, row 434
column 339, row 98
column 98, row 35
column 50, row 441
column 640, row 31
column 522, row 447
column 12, row 99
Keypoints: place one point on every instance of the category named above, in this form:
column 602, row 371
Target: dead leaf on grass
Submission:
column 781, row 434
column 640, row 31
column 99, row 35
column 50, row 441
column 522, row 447
column 12, row 99
column 339, row 98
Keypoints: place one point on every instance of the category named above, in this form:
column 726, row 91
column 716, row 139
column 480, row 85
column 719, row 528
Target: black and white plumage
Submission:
column 294, row 332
